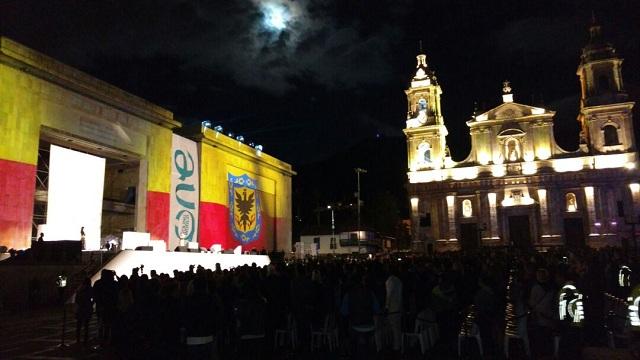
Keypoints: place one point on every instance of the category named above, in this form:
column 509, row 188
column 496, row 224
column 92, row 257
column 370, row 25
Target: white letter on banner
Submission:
column 183, row 203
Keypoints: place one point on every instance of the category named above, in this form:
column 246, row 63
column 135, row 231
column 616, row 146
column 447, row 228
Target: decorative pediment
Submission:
column 510, row 111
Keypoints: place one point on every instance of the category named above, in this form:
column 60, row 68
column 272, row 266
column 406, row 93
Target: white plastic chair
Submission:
column 473, row 333
column 288, row 334
column 419, row 333
column 522, row 334
column 328, row 334
column 433, row 333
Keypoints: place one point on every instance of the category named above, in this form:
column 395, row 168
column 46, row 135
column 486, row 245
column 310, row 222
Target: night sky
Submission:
column 336, row 74
column 333, row 78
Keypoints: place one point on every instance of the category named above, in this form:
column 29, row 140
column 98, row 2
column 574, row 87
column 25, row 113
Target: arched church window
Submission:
column 603, row 83
column 467, row 208
column 610, row 135
column 512, row 149
column 572, row 203
column 424, row 153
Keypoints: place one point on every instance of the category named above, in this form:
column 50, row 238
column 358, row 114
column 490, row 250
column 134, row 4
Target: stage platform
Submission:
column 167, row 261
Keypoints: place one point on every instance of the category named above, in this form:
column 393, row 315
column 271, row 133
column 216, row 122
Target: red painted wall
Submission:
column 17, row 188
column 158, row 215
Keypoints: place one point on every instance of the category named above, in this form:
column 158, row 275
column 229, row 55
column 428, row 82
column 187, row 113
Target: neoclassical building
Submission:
column 517, row 187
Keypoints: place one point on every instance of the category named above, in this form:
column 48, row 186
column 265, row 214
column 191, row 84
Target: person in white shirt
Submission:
column 393, row 306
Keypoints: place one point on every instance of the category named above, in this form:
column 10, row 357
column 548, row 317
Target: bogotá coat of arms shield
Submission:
column 244, row 208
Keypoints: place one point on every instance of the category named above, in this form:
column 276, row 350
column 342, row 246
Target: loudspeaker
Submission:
column 144, row 248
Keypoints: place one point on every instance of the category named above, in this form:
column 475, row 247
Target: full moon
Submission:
column 275, row 16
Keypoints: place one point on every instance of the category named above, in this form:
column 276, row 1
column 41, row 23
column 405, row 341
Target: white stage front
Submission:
column 166, row 262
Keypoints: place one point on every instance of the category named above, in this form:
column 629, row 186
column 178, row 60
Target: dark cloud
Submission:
column 336, row 74
column 230, row 37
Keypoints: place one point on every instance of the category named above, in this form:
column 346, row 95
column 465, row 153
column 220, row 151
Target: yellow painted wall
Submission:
column 159, row 160
column 216, row 163
column 40, row 95
column 27, row 103
column 19, row 122
column 220, row 155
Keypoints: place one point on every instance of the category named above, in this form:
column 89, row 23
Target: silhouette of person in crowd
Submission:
column 84, row 309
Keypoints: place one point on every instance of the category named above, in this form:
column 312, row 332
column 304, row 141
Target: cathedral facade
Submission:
column 517, row 187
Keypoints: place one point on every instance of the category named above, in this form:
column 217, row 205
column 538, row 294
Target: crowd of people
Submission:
column 192, row 313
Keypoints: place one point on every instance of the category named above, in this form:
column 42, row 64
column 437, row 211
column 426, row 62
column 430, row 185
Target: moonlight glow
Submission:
column 275, row 16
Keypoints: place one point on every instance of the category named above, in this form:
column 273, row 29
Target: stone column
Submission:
column 141, row 197
column 415, row 222
column 493, row 216
column 591, row 209
column 544, row 211
column 451, row 215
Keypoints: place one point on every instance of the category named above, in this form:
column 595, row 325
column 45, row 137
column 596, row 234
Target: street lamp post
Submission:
column 358, row 172
column 332, row 243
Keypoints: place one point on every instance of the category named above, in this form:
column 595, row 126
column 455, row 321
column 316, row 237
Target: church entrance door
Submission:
column 574, row 232
column 469, row 236
column 519, row 231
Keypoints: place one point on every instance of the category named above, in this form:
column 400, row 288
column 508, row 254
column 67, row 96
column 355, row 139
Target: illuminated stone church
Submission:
column 517, row 187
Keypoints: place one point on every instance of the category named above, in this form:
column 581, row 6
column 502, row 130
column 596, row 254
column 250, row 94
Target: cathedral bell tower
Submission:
column 425, row 130
column 605, row 114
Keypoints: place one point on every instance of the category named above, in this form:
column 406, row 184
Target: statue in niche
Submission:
column 422, row 104
column 513, row 150
column 422, row 111
column 572, row 204
column 467, row 209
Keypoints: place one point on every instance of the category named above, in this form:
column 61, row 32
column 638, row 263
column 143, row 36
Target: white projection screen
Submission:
column 76, row 184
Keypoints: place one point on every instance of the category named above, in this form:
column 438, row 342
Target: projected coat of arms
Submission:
column 244, row 208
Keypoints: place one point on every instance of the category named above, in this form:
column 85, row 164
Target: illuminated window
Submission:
column 467, row 209
column 572, row 204
column 424, row 153
column 610, row 135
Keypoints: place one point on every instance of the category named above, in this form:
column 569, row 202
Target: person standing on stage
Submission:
column 82, row 236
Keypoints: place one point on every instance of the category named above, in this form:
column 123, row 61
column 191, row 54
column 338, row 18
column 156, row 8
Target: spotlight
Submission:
column 240, row 138
column 259, row 147
column 230, row 134
column 218, row 128
column 252, row 144
column 206, row 124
